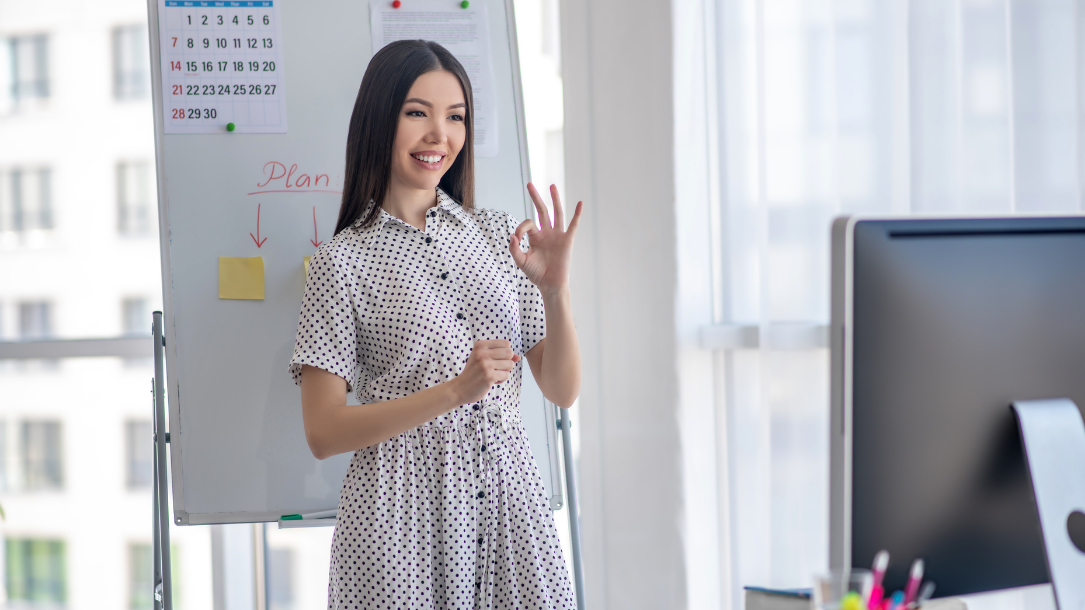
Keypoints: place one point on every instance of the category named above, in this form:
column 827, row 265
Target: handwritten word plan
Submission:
column 222, row 64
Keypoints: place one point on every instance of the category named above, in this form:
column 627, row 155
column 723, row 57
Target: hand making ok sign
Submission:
column 546, row 263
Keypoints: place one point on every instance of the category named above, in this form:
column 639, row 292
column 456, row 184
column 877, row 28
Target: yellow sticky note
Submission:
column 307, row 265
column 241, row 277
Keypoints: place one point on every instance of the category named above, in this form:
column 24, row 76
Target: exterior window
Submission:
column 134, row 212
column 141, row 576
column 35, row 320
column 29, row 68
column 42, row 455
column 134, row 318
column 131, row 63
column 138, row 457
column 26, row 199
column 36, row 571
column 280, row 579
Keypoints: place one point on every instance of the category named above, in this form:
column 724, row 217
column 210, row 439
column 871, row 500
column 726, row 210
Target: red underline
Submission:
column 293, row 191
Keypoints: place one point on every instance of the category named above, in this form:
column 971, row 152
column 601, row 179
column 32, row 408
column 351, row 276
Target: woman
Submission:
column 425, row 307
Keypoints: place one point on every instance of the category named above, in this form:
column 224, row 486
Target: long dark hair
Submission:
column 372, row 133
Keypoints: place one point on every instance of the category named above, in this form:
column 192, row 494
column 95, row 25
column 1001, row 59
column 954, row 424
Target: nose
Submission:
column 436, row 133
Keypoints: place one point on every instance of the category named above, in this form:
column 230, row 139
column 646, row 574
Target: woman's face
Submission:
column 431, row 130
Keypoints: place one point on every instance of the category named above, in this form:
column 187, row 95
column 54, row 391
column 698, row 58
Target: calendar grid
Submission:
column 222, row 62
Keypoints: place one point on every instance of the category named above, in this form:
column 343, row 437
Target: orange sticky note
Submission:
column 307, row 265
column 241, row 278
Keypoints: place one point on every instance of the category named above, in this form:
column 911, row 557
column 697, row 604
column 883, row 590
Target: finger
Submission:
column 528, row 227
column 503, row 352
column 559, row 214
column 503, row 365
column 502, row 377
column 518, row 256
column 575, row 222
column 540, row 207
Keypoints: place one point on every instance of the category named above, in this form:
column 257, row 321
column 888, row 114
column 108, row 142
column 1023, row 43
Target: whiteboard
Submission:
column 238, row 451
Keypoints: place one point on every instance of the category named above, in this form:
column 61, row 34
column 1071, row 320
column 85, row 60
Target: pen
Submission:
column 324, row 514
column 897, row 601
column 914, row 578
column 925, row 593
column 877, row 592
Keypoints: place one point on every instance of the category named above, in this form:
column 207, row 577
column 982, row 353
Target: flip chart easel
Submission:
column 250, row 118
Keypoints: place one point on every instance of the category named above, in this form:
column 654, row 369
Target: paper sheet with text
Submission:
column 465, row 33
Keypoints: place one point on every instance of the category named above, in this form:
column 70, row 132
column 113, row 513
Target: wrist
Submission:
column 555, row 293
column 454, row 393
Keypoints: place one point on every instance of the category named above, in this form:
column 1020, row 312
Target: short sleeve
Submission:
column 532, row 313
column 327, row 334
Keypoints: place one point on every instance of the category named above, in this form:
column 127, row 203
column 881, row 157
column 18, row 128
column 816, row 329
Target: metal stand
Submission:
column 1054, row 439
column 163, row 588
column 574, row 506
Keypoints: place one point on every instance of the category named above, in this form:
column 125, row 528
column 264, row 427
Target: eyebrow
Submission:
column 429, row 105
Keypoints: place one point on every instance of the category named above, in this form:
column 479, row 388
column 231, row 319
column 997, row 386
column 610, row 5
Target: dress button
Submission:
column 433, row 214
column 460, row 316
column 476, row 407
column 480, row 539
column 444, row 276
column 484, row 447
column 482, row 494
column 429, row 239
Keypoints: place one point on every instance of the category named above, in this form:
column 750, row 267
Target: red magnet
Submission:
column 396, row 4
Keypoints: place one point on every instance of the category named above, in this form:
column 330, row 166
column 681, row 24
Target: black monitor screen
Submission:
column 952, row 321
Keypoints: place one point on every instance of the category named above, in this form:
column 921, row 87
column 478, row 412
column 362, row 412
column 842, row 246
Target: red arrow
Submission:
column 314, row 240
column 256, row 238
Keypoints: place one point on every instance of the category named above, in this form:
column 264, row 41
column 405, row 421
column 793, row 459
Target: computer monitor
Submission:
column 937, row 326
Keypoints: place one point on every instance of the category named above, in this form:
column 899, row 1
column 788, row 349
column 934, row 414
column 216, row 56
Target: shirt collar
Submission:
column 444, row 202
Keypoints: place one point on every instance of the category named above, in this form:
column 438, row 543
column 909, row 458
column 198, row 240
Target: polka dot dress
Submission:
column 451, row 514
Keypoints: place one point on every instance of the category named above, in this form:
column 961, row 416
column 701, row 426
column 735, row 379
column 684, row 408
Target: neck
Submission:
column 409, row 204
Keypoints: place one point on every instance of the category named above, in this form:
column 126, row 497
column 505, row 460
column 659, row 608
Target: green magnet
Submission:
column 465, row 4
column 231, row 126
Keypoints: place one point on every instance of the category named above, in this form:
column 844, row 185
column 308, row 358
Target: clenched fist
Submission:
column 490, row 363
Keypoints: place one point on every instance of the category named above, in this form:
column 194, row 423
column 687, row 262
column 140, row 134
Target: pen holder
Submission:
column 842, row 589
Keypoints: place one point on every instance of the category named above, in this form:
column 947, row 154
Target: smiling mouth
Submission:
column 429, row 159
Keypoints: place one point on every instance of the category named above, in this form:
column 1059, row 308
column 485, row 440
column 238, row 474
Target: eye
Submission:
column 417, row 113
column 456, row 117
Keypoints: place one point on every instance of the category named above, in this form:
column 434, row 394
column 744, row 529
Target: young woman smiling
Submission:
column 425, row 307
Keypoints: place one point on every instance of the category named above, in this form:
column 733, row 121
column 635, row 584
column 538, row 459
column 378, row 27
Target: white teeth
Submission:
column 428, row 158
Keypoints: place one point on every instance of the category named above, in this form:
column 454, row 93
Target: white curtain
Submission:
column 839, row 106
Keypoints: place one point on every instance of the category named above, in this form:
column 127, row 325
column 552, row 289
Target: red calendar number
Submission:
column 175, row 65
column 178, row 113
column 174, row 41
column 177, row 90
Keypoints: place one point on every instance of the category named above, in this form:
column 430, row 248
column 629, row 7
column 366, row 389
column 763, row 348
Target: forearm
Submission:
column 560, row 376
column 333, row 427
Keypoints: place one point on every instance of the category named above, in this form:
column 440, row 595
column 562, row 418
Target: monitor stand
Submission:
column 1054, row 438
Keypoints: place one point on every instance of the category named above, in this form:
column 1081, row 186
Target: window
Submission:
column 35, row 320
column 36, row 571
column 42, row 455
column 26, row 199
column 131, row 63
column 280, row 579
column 134, row 211
column 141, row 576
column 139, row 458
column 29, row 57
column 134, row 318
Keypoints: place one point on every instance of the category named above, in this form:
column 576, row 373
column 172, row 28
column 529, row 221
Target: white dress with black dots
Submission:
column 451, row 514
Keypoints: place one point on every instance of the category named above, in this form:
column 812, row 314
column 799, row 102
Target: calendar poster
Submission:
column 222, row 66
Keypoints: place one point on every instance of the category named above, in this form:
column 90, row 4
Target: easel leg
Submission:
column 163, row 589
column 574, row 506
